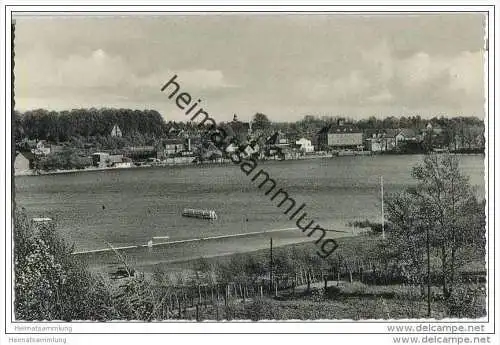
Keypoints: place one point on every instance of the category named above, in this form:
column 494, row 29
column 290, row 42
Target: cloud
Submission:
column 378, row 62
column 450, row 80
column 340, row 90
column 465, row 74
column 102, row 77
column 192, row 80
column 304, row 64
column 350, row 87
column 204, row 79
column 38, row 70
column 417, row 79
column 382, row 97
column 417, row 70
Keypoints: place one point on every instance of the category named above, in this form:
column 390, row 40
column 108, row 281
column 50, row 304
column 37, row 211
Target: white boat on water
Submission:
column 198, row 213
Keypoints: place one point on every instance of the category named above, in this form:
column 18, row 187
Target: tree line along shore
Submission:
column 80, row 139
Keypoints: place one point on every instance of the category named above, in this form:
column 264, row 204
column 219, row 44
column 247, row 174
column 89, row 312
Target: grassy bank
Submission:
column 358, row 286
column 349, row 301
column 352, row 254
column 230, row 287
column 284, row 258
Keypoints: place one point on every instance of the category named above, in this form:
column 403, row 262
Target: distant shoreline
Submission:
column 69, row 171
column 164, row 165
column 223, row 163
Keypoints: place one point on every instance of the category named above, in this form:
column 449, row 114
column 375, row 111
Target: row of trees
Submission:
column 65, row 160
column 61, row 126
column 108, row 142
column 417, row 122
column 455, row 133
column 312, row 123
column 84, row 123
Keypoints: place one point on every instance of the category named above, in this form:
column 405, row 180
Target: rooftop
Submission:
column 344, row 128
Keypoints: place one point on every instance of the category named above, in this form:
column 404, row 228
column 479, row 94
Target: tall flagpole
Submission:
column 382, row 195
column 271, row 265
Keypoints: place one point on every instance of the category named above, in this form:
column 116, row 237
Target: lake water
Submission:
column 130, row 206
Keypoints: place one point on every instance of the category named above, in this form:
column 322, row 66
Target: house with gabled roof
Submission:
column 408, row 135
column 341, row 135
column 174, row 146
column 116, row 131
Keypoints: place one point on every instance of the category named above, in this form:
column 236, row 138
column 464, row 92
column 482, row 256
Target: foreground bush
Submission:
column 50, row 284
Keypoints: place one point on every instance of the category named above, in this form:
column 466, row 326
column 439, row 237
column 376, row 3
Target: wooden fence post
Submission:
column 206, row 297
column 261, row 293
column 179, row 307
column 374, row 273
column 185, row 303
column 197, row 312
column 308, row 281
column 226, row 295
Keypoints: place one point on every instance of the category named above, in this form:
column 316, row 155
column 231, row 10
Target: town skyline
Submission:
column 329, row 65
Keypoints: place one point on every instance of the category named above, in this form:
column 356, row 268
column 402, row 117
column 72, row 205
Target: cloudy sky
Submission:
column 285, row 66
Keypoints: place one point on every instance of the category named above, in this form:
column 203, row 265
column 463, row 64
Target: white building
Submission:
column 100, row 159
column 231, row 148
column 116, row 131
column 41, row 149
column 375, row 144
column 249, row 150
column 22, row 164
column 305, row 145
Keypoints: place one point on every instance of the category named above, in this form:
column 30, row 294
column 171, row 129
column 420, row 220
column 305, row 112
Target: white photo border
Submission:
column 345, row 327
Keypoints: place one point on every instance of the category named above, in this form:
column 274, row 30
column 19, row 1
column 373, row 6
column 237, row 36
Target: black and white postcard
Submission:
column 249, row 169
